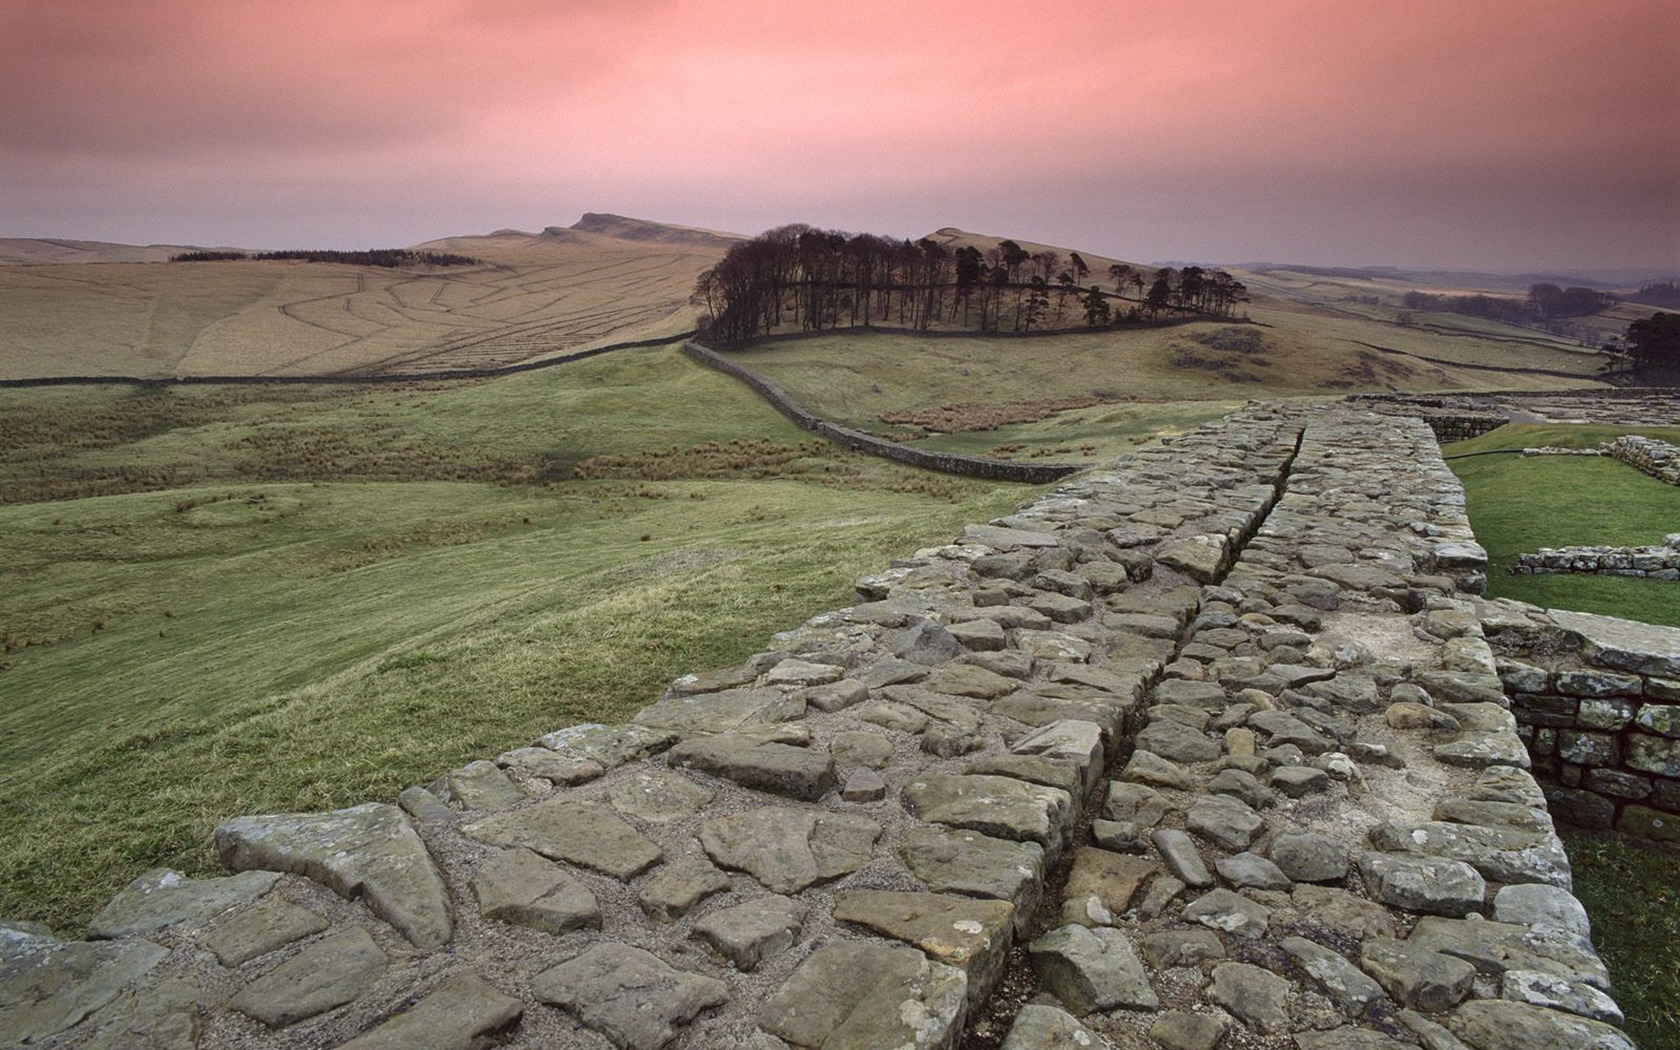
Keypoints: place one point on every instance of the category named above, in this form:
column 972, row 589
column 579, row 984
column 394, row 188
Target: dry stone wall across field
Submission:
column 1209, row 749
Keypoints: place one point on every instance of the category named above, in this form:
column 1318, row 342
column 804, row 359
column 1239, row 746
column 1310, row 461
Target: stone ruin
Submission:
column 1215, row 748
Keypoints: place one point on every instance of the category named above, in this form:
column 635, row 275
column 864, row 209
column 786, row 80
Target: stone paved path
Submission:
column 1206, row 747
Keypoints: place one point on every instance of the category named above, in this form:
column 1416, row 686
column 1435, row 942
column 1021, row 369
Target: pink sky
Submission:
column 1504, row 134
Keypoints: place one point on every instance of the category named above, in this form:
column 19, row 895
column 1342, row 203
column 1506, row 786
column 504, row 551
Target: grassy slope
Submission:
column 1520, row 504
column 293, row 645
column 1163, row 379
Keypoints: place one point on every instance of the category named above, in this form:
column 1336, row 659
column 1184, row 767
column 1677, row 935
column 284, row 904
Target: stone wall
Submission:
column 1209, row 746
column 1660, row 561
column 948, row 462
column 1598, row 701
column 1659, row 459
column 1450, row 419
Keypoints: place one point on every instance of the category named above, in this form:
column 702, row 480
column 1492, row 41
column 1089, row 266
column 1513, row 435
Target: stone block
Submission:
column 1588, row 749
column 1649, row 823
column 1654, row 754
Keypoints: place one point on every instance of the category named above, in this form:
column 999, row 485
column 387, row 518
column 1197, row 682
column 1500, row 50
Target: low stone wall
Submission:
column 1660, row 561
column 947, row 462
column 1659, row 459
column 1598, row 701
column 1207, row 746
column 1450, row 419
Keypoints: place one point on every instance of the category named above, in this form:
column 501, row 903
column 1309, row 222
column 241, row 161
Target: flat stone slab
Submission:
column 552, row 766
column 866, row 995
column 969, row 934
column 997, row 806
column 1039, row 1027
column 162, row 898
column 1112, row 878
column 521, row 888
column 675, row 889
column 1000, row 538
column 269, row 924
column 584, row 833
column 1252, row 994
column 457, row 1015
column 719, row 712
column 790, row 849
column 160, row 1016
column 1092, row 970
column 47, row 986
column 1430, row 885
column 977, row 865
column 658, row 796
column 1491, row 1024
column 629, row 995
column 804, row 773
column 1625, row 644
column 369, row 851
column 478, row 785
column 608, row 746
column 333, row 971
column 750, row 933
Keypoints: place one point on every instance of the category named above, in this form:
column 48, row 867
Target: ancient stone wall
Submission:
column 948, row 462
column 1659, row 561
column 1659, row 459
column 1598, row 701
column 1209, row 746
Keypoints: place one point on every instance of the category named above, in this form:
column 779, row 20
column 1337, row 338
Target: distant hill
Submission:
column 628, row 229
column 35, row 251
column 953, row 238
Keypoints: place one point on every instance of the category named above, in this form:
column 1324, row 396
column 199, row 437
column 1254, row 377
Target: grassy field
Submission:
column 1520, row 504
column 210, row 634
column 1129, row 384
column 534, row 295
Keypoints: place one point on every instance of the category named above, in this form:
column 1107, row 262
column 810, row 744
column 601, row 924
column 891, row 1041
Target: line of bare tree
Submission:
column 799, row 277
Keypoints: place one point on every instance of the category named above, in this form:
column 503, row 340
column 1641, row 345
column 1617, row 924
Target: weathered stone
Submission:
column 1039, row 1027
column 1112, row 878
column 750, row 933
column 330, row 972
column 1346, row 985
column 835, row 696
column 1252, row 994
column 1309, row 857
column 609, row 746
column 991, row 805
column 1230, row 912
column 658, row 796
column 927, row 643
column 1183, row 1030
column 675, row 889
column 540, row 763
column 46, row 986
column 1347, row 914
column 713, row 681
column 860, row 748
column 1241, row 785
column 271, row 923
column 971, row 935
column 1495, row 947
column 977, row 866
column 160, row 1016
column 1431, row 885
column 1247, row 871
column 1654, row 754
column 578, row 832
column 796, row 673
column 1135, row 802
column 1424, row 980
column 1177, row 742
column 861, row 995
column 949, row 741
column 1199, row 557
column 1179, row 851
column 1299, row 781
column 1073, row 741
column 1225, row 821
column 1145, row 767
column 790, row 849
column 1167, row 948
column 425, row 807
column 1649, row 823
column 893, row 716
column 456, row 1015
column 477, row 785
column 163, row 898
column 1559, row 993
column 1092, row 969
column 863, row 785
column 1536, row 904
column 369, row 851
column 1349, row 1038
column 979, row 635
column 628, row 995
column 521, row 888
column 1503, row 854
column 1492, row 1024
column 797, row 772
column 722, row 712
